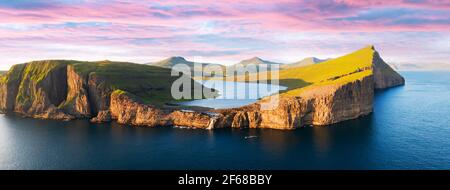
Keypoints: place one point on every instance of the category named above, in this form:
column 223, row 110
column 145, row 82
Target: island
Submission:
column 321, row 93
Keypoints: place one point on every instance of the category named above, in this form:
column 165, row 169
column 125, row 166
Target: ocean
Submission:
column 409, row 129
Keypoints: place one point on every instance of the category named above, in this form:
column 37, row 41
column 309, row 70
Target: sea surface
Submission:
column 409, row 129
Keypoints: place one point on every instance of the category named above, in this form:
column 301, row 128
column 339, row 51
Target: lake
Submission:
column 409, row 129
column 234, row 94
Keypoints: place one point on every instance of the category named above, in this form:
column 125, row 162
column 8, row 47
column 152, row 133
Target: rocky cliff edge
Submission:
column 61, row 90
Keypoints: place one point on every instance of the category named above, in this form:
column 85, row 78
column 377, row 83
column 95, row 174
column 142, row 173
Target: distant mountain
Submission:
column 172, row 61
column 303, row 62
column 3, row 72
column 256, row 61
column 421, row 67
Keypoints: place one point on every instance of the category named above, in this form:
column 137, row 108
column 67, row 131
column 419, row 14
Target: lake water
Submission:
column 410, row 129
column 234, row 94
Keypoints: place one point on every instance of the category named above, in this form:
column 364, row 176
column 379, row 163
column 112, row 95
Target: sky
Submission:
column 222, row 31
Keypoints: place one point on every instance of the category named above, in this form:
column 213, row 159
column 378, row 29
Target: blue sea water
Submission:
column 409, row 129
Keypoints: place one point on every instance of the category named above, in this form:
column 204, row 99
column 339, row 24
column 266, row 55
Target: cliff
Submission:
column 318, row 106
column 65, row 89
column 384, row 75
column 34, row 89
column 126, row 108
column 318, row 94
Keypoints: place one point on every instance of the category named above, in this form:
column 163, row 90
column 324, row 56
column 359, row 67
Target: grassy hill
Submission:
column 151, row 84
column 341, row 70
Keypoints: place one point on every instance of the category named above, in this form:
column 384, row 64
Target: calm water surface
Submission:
column 235, row 94
column 410, row 129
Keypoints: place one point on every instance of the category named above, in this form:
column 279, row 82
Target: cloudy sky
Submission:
column 223, row 31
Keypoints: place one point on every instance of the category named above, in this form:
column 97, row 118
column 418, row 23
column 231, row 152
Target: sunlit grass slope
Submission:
column 351, row 67
column 149, row 83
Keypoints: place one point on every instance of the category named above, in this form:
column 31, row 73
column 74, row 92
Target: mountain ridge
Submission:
column 303, row 62
column 256, row 61
column 421, row 67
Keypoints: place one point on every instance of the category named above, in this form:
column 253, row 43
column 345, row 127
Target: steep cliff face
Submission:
column 319, row 106
column 36, row 89
column 77, row 102
column 344, row 102
column 126, row 109
column 99, row 93
column 288, row 113
column 9, row 86
column 193, row 119
column 384, row 75
column 65, row 89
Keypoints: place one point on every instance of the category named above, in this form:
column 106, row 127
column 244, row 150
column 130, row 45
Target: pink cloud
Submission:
column 286, row 14
column 165, row 28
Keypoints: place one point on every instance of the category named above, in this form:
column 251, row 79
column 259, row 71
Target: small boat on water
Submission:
column 250, row 137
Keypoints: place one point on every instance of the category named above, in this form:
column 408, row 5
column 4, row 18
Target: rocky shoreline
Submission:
column 64, row 94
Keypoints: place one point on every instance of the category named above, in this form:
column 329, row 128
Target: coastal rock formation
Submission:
column 99, row 93
column 384, row 75
column 33, row 89
column 192, row 119
column 126, row 109
column 319, row 106
column 102, row 92
column 77, row 101
column 102, row 116
column 9, row 86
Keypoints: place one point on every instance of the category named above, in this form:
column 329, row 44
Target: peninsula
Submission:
column 137, row 94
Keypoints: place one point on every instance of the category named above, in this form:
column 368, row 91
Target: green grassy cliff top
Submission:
column 13, row 74
column 351, row 67
column 150, row 83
